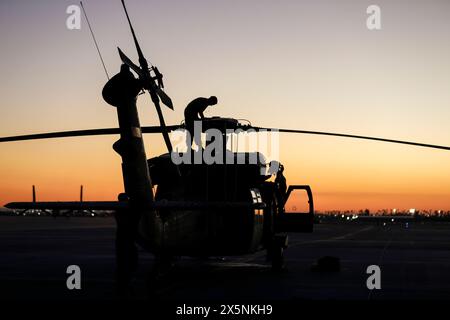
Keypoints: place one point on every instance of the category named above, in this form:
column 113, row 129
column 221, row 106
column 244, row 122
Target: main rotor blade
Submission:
column 165, row 99
column 130, row 63
column 142, row 60
column 158, row 129
column 418, row 144
column 164, row 129
column 82, row 133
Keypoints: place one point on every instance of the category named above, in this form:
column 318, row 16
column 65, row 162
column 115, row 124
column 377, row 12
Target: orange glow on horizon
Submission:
column 348, row 179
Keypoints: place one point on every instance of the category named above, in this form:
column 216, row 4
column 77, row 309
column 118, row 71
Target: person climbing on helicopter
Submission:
column 194, row 112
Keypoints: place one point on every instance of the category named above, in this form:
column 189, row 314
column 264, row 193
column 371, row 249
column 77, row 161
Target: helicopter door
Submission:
column 292, row 220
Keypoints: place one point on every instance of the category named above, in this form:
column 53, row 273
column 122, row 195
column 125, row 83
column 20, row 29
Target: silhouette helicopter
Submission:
column 186, row 209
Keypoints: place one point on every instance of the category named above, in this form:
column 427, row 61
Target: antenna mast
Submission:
column 95, row 41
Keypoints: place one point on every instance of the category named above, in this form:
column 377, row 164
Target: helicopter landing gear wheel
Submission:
column 279, row 243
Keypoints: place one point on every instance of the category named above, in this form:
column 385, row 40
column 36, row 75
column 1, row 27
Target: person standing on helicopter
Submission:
column 194, row 112
column 280, row 183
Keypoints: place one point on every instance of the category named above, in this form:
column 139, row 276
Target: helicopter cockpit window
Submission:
column 256, row 197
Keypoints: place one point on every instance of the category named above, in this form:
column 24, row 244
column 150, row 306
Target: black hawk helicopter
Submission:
column 197, row 209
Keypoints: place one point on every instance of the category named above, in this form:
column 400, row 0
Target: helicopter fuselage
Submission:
column 219, row 231
column 249, row 210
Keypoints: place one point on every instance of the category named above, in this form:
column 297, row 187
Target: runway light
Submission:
column 392, row 220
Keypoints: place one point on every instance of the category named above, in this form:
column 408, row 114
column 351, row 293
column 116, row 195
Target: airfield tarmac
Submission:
column 414, row 262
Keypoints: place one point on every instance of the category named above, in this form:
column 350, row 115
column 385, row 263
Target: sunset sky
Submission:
column 310, row 65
